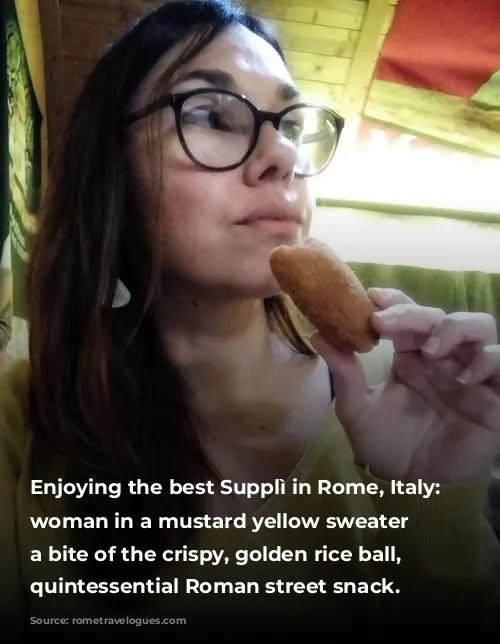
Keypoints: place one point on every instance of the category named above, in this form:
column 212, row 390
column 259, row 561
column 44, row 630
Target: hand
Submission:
column 428, row 420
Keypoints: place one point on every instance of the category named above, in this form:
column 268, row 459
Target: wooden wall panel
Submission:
column 316, row 39
column 316, row 67
column 320, row 38
column 347, row 14
column 85, row 43
column 50, row 27
column 110, row 12
column 329, row 94
column 87, row 27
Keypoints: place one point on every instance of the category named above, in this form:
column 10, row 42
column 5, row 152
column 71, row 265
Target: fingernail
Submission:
column 379, row 292
column 465, row 377
column 431, row 346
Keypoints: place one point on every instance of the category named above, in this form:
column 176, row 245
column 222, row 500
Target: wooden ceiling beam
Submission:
column 365, row 55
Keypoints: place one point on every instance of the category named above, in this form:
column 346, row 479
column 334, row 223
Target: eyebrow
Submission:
column 224, row 80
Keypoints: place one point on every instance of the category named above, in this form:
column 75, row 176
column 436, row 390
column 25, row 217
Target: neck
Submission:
column 220, row 345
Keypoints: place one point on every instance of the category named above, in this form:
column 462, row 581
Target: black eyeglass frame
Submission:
column 176, row 102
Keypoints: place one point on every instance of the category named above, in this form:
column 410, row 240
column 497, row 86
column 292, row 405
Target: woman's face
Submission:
column 210, row 227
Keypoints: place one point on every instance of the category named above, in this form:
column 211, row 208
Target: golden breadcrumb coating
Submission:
column 328, row 294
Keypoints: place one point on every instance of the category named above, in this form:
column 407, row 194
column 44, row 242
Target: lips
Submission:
column 272, row 213
column 280, row 224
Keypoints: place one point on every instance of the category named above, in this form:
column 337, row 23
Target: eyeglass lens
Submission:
column 218, row 130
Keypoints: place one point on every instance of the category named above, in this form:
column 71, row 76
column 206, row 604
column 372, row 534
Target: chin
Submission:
column 260, row 289
column 255, row 276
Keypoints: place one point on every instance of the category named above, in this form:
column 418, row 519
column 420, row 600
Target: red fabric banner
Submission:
column 438, row 73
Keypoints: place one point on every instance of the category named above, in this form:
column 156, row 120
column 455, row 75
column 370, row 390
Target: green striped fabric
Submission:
column 448, row 290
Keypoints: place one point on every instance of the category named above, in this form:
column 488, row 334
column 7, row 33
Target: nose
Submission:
column 273, row 159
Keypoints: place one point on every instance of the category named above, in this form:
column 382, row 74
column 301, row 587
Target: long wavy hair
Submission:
column 104, row 397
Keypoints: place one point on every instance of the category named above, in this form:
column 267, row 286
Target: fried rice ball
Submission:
column 328, row 293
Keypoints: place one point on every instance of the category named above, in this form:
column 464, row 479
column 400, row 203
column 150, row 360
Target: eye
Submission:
column 206, row 116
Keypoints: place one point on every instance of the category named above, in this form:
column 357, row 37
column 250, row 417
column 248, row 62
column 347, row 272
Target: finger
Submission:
column 465, row 353
column 406, row 341
column 459, row 328
column 416, row 372
column 485, row 365
column 407, row 318
column 349, row 378
column 436, row 383
column 461, row 357
column 494, row 384
column 478, row 404
column 385, row 297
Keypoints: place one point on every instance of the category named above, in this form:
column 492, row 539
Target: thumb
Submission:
column 349, row 378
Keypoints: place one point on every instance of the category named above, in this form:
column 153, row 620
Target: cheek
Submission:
column 192, row 223
column 189, row 206
column 186, row 212
column 173, row 198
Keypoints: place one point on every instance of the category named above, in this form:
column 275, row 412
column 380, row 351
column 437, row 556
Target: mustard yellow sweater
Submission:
column 448, row 555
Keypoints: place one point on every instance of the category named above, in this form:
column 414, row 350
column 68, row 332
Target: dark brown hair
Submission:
column 105, row 399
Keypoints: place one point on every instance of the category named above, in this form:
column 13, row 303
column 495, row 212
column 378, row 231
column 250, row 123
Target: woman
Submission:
column 161, row 349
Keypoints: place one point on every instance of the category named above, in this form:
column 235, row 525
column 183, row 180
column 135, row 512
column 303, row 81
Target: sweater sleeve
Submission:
column 13, row 602
column 449, row 556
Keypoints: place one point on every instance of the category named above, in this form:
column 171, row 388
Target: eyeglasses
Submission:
column 219, row 130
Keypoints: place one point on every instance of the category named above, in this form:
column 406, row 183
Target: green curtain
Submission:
column 449, row 290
